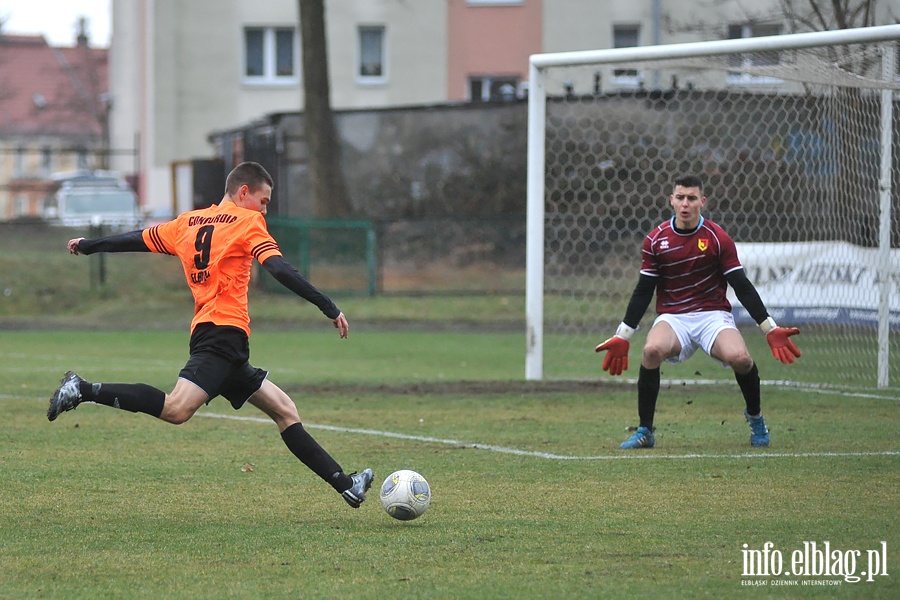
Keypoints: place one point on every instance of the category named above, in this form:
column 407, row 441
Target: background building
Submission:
column 53, row 117
column 180, row 70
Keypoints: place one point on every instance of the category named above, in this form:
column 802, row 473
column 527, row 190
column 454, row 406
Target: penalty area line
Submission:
column 551, row 456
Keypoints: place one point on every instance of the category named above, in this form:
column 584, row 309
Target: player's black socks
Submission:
column 311, row 454
column 133, row 397
column 648, row 392
column 749, row 384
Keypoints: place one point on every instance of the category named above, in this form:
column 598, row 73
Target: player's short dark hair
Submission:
column 689, row 181
column 251, row 174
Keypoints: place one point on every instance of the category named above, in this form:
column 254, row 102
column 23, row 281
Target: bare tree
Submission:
column 851, row 115
column 330, row 197
column 824, row 15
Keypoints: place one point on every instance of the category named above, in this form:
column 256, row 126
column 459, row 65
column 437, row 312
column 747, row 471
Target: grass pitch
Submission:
column 532, row 497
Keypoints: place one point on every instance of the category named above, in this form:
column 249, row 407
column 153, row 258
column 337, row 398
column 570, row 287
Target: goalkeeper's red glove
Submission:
column 779, row 339
column 616, row 347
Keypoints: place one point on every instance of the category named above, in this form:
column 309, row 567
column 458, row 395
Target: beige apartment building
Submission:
column 181, row 69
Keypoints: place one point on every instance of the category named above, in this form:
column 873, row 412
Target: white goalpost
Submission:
column 793, row 136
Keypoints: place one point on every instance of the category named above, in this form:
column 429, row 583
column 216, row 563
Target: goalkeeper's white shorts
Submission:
column 697, row 330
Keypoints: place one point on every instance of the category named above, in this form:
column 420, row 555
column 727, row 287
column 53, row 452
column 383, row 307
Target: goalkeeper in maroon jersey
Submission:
column 689, row 262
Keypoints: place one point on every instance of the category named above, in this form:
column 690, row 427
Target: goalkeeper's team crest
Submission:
column 703, row 244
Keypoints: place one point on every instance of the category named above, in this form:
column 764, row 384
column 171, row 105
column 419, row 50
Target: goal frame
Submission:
column 536, row 167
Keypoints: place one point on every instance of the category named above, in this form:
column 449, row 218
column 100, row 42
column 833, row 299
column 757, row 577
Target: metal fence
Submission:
column 435, row 256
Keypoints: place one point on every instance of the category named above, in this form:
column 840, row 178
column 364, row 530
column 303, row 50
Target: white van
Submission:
column 86, row 198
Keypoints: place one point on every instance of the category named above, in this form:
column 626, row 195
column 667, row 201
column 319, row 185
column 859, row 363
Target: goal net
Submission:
column 793, row 138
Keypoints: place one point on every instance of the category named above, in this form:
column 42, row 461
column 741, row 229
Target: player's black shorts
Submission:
column 219, row 364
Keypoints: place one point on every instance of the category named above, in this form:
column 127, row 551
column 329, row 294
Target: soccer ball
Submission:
column 405, row 495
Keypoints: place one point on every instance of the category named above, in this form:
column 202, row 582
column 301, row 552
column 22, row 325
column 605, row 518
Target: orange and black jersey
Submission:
column 216, row 246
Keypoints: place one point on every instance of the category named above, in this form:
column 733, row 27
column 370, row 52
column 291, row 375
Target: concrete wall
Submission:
column 425, row 161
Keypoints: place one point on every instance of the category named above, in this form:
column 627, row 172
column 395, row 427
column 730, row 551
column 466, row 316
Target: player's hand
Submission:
column 616, row 359
column 343, row 327
column 780, row 342
column 73, row 245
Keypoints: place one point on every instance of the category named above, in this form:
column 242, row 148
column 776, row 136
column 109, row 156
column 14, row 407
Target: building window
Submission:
column 270, row 55
column 82, row 158
column 19, row 162
column 253, row 43
column 371, row 52
column 493, row 88
column 494, row 2
column 20, row 205
column 284, row 52
column 749, row 60
column 626, row 36
column 46, row 160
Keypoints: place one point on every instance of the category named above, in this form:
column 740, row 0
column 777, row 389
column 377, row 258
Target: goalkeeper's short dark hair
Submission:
column 689, row 181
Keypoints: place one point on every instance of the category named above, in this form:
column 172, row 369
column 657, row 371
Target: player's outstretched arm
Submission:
column 289, row 277
column 133, row 241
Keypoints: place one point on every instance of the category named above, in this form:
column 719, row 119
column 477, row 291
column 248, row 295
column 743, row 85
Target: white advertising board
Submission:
column 818, row 282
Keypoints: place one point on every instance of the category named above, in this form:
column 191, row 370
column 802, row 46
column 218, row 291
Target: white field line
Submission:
column 640, row 455
column 809, row 388
column 550, row 456
column 805, row 387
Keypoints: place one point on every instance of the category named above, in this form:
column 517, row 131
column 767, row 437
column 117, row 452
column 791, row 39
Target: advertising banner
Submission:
column 819, row 282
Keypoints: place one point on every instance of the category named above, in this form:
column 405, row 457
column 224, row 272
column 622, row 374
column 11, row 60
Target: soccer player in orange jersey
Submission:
column 216, row 247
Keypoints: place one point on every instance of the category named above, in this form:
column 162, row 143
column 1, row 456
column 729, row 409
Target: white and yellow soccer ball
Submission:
column 405, row 495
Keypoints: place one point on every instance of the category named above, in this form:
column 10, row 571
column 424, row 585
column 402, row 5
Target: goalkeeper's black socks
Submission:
column 133, row 397
column 749, row 384
column 311, row 454
column 648, row 392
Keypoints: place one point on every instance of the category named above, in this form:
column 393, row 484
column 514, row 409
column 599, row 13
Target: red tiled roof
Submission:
column 52, row 91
